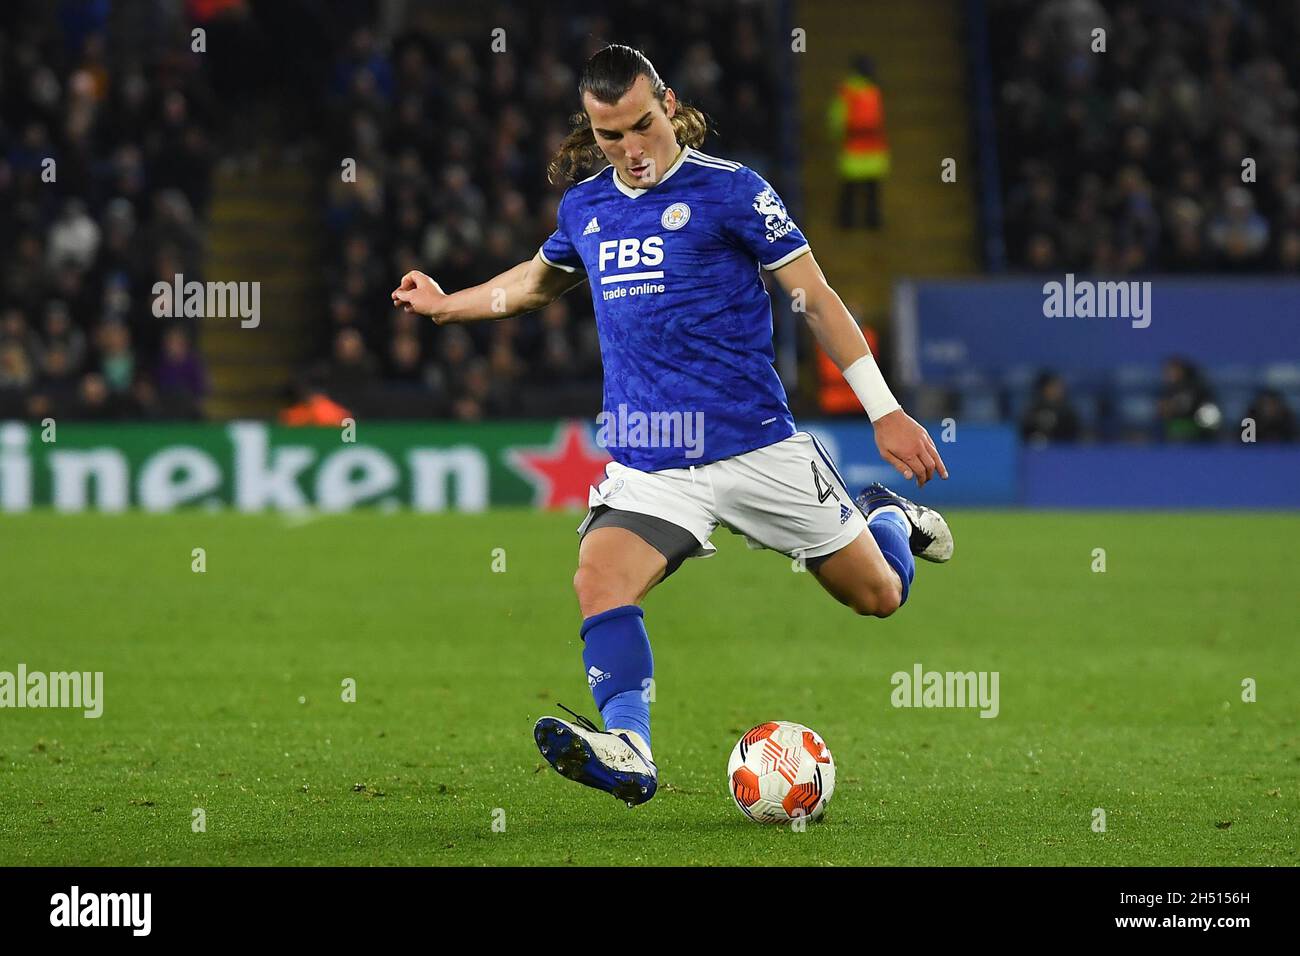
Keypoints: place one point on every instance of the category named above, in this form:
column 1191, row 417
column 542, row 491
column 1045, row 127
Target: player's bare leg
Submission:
column 872, row 575
column 859, row 577
column 615, row 567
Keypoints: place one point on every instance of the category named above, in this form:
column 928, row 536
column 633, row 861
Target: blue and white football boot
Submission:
column 931, row 538
column 583, row 752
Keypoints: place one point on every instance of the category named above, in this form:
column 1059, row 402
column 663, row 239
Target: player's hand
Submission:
column 908, row 447
column 419, row 294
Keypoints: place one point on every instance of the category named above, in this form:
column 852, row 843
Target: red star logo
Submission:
column 563, row 473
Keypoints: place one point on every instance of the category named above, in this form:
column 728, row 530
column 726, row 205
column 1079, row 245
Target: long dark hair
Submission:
column 607, row 76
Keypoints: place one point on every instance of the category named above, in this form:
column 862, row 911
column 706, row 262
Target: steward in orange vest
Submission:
column 856, row 120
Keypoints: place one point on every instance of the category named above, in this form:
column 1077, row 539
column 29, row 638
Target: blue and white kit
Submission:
column 699, row 427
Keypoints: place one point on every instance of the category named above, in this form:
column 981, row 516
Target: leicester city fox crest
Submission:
column 775, row 219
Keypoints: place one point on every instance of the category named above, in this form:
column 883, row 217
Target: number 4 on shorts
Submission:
column 823, row 487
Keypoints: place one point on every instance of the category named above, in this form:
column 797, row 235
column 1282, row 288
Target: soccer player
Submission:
column 672, row 242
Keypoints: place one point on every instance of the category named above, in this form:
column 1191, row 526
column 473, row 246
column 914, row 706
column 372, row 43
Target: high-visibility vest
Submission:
column 857, row 123
column 316, row 410
column 203, row 11
column 834, row 395
column 864, row 118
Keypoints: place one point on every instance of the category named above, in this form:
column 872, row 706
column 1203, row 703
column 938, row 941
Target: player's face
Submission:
column 635, row 133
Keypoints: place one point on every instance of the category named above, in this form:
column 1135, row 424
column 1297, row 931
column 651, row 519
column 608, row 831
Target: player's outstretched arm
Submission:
column 900, row 439
column 528, row 286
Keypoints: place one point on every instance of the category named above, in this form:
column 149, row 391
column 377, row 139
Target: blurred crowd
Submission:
column 1183, row 405
column 104, row 177
column 1127, row 160
column 451, row 141
column 1131, row 160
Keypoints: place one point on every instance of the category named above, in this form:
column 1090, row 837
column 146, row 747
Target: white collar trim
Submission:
column 632, row 192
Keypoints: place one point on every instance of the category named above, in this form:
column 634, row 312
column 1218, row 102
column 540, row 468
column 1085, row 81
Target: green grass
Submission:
column 1119, row 690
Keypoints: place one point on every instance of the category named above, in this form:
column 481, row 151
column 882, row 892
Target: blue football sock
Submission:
column 892, row 532
column 616, row 653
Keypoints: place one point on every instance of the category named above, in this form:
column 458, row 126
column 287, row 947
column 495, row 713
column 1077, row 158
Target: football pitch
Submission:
column 225, row 737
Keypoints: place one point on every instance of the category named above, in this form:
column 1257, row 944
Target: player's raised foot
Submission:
column 579, row 750
column 931, row 537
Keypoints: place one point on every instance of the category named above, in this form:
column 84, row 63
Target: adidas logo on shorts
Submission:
column 844, row 513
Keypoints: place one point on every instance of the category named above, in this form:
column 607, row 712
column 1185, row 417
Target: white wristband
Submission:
column 869, row 385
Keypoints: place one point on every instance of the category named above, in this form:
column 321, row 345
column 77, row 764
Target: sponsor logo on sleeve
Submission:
column 776, row 221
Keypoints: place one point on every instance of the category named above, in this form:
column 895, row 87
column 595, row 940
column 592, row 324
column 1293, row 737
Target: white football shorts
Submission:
column 786, row 497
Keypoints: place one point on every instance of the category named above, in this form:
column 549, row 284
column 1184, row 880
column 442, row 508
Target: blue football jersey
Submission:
column 685, row 322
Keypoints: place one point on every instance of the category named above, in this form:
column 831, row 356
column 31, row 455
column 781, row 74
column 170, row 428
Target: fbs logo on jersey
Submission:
column 592, row 226
column 595, row 675
column 630, row 253
column 775, row 219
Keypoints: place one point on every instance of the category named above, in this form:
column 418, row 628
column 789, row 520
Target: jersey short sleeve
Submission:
column 760, row 223
column 558, row 250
